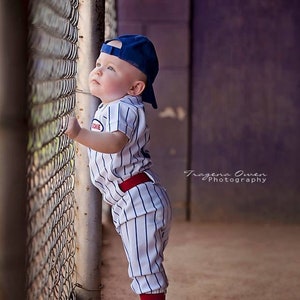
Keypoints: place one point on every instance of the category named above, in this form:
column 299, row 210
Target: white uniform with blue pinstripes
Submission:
column 141, row 215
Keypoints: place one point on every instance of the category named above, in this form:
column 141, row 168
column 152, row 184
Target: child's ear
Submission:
column 137, row 88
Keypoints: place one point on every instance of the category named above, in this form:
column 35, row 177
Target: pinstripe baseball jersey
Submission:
column 141, row 214
column 107, row 170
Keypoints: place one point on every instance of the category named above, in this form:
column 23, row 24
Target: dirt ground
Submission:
column 216, row 261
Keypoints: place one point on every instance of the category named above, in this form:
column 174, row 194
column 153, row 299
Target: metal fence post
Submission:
column 88, row 211
column 13, row 140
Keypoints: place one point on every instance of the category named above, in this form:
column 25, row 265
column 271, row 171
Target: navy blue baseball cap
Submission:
column 139, row 51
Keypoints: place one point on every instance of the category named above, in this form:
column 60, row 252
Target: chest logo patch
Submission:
column 96, row 125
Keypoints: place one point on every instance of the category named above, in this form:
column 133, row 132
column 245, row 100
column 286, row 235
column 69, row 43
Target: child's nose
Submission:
column 99, row 70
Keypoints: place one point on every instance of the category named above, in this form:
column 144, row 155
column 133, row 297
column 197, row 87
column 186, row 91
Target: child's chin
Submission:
column 93, row 92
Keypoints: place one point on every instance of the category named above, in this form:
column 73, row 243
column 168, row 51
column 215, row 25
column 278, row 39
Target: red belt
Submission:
column 133, row 181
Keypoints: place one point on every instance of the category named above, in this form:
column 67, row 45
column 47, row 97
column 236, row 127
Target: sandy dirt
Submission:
column 216, row 261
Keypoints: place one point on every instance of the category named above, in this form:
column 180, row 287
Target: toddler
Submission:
column 120, row 162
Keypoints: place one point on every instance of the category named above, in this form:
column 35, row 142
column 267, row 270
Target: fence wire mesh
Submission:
column 51, row 202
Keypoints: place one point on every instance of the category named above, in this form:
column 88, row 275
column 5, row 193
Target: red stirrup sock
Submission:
column 153, row 296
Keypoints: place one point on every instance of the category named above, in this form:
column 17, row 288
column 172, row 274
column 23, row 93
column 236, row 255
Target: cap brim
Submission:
column 149, row 96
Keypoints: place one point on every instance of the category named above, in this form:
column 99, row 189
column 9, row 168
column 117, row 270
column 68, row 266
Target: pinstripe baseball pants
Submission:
column 142, row 218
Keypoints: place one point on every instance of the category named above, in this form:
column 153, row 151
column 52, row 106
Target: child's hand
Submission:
column 73, row 128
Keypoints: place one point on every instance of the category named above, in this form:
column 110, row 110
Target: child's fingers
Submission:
column 72, row 127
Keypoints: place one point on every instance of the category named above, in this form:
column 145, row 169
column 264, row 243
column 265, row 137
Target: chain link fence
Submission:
column 52, row 71
column 51, row 247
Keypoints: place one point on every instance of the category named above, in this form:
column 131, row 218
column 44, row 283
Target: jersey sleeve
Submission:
column 121, row 117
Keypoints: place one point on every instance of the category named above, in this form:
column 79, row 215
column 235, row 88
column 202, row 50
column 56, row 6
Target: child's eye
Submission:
column 110, row 68
column 98, row 65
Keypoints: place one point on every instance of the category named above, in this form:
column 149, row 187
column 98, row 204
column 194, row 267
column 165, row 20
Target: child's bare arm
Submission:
column 105, row 142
